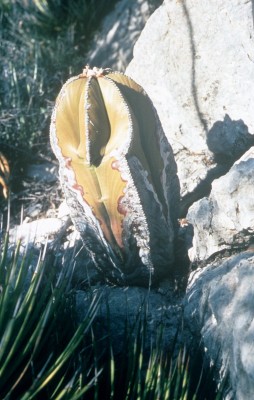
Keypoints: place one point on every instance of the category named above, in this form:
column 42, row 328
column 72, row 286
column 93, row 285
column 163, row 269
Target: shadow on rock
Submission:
column 228, row 140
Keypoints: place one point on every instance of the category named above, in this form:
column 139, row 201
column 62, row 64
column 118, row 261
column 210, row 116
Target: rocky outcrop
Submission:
column 219, row 311
column 112, row 45
column 219, row 302
column 195, row 60
column 225, row 219
column 127, row 306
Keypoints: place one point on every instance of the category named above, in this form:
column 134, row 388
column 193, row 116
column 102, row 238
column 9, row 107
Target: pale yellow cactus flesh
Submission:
column 87, row 140
column 103, row 127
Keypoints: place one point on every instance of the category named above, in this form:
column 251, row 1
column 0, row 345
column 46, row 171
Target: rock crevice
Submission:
column 195, row 60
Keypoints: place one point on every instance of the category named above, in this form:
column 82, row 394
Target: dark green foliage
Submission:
column 137, row 373
column 44, row 355
column 38, row 341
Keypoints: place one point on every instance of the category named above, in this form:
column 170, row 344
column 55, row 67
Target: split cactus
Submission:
column 118, row 174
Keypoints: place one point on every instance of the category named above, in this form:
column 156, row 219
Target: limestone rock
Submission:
column 225, row 219
column 195, row 59
column 112, row 46
column 219, row 310
column 37, row 232
column 121, row 307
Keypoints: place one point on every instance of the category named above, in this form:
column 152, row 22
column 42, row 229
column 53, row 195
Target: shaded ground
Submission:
column 34, row 190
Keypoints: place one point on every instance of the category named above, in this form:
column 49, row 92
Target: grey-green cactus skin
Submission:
column 119, row 175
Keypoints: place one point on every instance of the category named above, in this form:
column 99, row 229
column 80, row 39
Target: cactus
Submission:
column 118, row 174
column 4, row 175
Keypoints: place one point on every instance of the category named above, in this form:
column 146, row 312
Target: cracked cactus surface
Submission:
column 118, row 174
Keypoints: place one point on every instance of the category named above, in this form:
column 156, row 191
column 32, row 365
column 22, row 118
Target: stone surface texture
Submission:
column 196, row 61
column 226, row 217
column 122, row 307
column 112, row 46
column 219, row 309
column 37, row 232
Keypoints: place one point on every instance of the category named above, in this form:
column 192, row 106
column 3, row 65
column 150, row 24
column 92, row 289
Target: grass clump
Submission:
column 141, row 374
column 45, row 355
column 38, row 342
column 42, row 43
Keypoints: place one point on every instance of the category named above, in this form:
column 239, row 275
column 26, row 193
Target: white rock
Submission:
column 219, row 308
column 37, row 232
column 226, row 217
column 195, row 58
column 63, row 210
